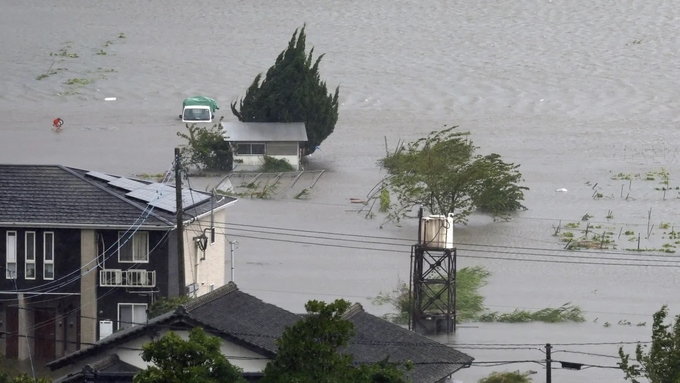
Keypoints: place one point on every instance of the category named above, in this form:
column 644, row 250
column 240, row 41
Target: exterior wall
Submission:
column 236, row 354
column 130, row 352
column 205, row 269
column 253, row 162
column 88, row 287
column 110, row 297
column 62, row 297
column 66, row 259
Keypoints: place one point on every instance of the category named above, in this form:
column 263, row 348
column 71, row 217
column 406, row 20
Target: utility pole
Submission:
column 548, row 361
column 180, row 225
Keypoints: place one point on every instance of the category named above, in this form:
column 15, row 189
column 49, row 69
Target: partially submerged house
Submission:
column 85, row 253
column 255, row 140
column 249, row 328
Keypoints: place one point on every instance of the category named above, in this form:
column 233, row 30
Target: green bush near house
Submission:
column 276, row 165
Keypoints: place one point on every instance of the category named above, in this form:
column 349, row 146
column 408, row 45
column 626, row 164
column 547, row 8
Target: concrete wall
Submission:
column 88, row 287
column 205, row 268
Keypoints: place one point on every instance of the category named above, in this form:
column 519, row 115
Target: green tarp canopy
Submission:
column 200, row 100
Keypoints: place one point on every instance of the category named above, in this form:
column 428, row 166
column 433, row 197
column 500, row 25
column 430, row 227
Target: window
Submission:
column 11, row 255
column 246, row 149
column 135, row 249
column 282, row 148
column 48, row 255
column 131, row 314
column 29, row 249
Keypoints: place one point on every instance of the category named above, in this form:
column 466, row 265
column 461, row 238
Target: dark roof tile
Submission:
column 248, row 319
column 56, row 195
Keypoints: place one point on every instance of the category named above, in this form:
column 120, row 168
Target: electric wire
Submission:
column 238, row 228
column 586, row 353
column 228, row 225
column 102, row 296
column 674, row 266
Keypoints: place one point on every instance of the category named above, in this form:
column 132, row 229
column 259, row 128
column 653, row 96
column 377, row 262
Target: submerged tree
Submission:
column 206, row 148
column 198, row 359
column 292, row 91
column 442, row 173
column 507, row 377
column 309, row 351
column 660, row 362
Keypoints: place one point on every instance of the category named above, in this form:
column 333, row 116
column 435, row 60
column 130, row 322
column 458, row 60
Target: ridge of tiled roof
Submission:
column 207, row 298
column 353, row 310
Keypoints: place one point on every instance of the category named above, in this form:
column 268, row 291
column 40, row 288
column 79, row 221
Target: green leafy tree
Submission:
column 164, row 305
column 308, row 351
column 292, row 91
column 660, row 362
column 442, row 173
column 507, row 377
column 196, row 360
column 5, row 377
column 206, row 148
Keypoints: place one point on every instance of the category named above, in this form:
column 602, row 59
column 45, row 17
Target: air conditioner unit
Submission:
column 436, row 231
column 105, row 328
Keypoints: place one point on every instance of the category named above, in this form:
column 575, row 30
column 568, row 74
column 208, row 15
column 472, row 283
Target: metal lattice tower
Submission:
column 432, row 288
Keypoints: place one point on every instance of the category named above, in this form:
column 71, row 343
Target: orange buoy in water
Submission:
column 57, row 123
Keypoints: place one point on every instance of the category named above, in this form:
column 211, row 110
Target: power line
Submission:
column 591, row 365
column 586, row 353
column 412, row 241
column 476, row 256
column 674, row 259
column 79, row 308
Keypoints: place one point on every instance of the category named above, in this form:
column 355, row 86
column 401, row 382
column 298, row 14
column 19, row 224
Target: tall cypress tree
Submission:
column 292, row 91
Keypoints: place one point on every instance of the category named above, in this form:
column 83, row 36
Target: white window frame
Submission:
column 131, row 242
column 132, row 305
column 27, row 256
column 8, row 274
column 47, row 261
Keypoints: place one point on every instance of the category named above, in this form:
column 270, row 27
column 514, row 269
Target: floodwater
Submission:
column 575, row 92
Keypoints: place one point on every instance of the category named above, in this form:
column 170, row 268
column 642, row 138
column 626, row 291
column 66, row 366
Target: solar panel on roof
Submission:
column 169, row 204
column 127, row 184
column 151, row 192
column 101, row 176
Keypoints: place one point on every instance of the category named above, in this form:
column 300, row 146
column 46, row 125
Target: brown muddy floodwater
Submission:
column 576, row 92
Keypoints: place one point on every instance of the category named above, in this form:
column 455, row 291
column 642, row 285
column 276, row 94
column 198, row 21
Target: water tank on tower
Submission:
column 436, row 231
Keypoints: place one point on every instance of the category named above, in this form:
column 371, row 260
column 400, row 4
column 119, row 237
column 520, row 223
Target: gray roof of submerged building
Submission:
column 59, row 196
column 265, row 131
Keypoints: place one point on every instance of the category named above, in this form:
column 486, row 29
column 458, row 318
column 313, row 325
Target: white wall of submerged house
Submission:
column 289, row 151
column 130, row 352
column 206, row 270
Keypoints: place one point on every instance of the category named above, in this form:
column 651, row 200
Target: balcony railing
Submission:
column 127, row 278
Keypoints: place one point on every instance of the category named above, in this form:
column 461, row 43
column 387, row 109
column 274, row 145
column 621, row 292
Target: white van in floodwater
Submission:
column 198, row 109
